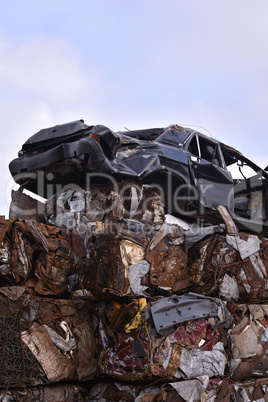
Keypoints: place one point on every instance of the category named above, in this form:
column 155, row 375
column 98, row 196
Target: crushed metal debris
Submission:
column 109, row 294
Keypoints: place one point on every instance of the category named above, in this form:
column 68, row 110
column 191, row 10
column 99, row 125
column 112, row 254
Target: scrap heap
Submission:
column 105, row 297
column 100, row 303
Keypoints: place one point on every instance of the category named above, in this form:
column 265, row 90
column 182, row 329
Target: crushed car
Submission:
column 195, row 173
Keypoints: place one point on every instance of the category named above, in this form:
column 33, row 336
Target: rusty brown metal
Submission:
column 230, row 225
column 103, row 272
column 168, row 261
column 70, row 301
column 45, row 333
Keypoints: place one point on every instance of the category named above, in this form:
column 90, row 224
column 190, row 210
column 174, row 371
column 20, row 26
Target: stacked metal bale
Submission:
column 102, row 300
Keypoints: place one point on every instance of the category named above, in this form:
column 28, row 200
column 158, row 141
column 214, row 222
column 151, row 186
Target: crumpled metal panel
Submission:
column 13, row 292
column 191, row 390
column 48, row 355
column 78, row 209
column 214, row 262
column 228, row 288
column 52, row 269
column 21, row 255
column 195, row 363
column 167, row 350
column 104, row 271
column 138, row 232
column 129, row 359
column 167, row 313
column 136, row 274
column 4, row 259
column 86, row 350
column 38, row 257
column 23, row 206
column 44, row 334
column 249, row 341
column 246, row 339
column 168, row 261
column 131, row 253
column 112, row 391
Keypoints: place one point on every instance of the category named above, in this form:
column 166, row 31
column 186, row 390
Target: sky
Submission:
column 134, row 64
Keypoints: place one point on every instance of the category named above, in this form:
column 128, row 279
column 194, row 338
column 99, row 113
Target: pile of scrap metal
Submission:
column 106, row 297
column 96, row 305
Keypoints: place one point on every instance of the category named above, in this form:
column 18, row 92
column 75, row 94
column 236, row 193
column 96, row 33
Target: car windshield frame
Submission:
column 171, row 136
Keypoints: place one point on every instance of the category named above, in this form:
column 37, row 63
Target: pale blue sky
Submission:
column 135, row 64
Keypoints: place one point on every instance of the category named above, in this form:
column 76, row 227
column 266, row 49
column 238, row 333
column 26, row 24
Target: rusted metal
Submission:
column 93, row 282
column 168, row 261
column 106, row 330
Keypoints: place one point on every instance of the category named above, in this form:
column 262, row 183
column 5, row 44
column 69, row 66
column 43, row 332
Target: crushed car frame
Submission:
column 193, row 172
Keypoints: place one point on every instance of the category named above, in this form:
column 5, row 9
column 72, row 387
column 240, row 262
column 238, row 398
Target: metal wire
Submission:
column 17, row 363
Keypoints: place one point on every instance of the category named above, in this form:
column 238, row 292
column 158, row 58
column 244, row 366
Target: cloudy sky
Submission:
column 134, row 64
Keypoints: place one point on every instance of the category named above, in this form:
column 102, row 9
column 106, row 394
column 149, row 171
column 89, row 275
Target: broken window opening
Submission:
column 193, row 147
column 205, row 149
column 249, row 189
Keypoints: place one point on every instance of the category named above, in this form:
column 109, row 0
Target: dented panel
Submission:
column 180, row 160
column 169, row 312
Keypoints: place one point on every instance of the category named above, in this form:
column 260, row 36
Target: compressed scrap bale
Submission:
column 187, row 348
column 44, row 341
column 249, row 341
column 53, row 264
column 167, row 254
column 111, row 250
column 37, row 256
column 52, row 269
column 128, row 360
column 135, row 259
column 218, row 269
column 139, row 357
column 75, row 208
column 104, row 272
column 48, row 355
column 71, row 327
